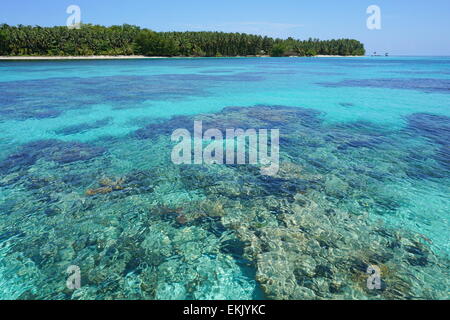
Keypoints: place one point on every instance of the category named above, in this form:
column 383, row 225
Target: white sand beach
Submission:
column 74, row 57
column 29, row 58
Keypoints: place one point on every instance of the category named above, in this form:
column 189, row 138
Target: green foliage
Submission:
column 150, row 43
column 129, row 40
column 278, row 50
column 3, row 43
column 88, row 40
column 310, row 52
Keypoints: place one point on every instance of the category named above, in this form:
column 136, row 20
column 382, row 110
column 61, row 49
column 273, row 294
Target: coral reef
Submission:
column 107, row 185
column 426, row 85
column 149, row 229
column 79, row 128
column 50, row 150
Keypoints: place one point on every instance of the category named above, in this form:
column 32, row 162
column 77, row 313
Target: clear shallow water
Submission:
column 86, row 179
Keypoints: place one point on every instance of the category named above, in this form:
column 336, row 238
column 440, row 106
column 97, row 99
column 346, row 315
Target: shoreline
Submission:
column 74, row 57
column 336, row 56
column 122, row 57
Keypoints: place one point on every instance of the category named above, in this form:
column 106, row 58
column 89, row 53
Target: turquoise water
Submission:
column 86, row 179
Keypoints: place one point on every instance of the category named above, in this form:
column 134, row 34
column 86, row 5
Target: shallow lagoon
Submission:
column 86, row 179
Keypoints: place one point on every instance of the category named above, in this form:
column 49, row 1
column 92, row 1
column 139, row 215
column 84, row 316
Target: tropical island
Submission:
column 128, row 41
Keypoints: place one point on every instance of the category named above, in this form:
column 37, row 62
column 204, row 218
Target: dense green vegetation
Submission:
column 128, row 40
column 89, row 40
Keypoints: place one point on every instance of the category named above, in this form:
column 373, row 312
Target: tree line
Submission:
column 132, row 40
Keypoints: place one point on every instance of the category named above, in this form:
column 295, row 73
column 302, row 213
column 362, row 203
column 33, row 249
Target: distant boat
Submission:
column 380, row 55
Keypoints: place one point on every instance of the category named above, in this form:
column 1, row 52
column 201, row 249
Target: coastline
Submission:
column 122, row 57
column 336, row 56
column 74, row 57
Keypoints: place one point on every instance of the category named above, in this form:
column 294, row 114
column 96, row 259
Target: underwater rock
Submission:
column 108, row 182
column 272, row 116
column 369, row 143
column 74, row 151
column 9, row 179
column 50, row 150
column 181, row 219
column 22, row 99
column 257, row 117
column 19, row 112
column 284, row 187
column 17, row 162
column 40, row 113
column 102, row 190
column 417, row 255
column 7, row 206
column 276, row 275
column 420, row 84
column 34, row 183
column 153, row 130
column 191, row 231
column 336, row 187
column 210, row 208
column 52, row 211
column 431, row 126
column 234, row 247
column 77, row 180
column 107, row 185
column 418, row 261
column 79, row 128
column 443, row 157
column 165, row 210
column 437, row 129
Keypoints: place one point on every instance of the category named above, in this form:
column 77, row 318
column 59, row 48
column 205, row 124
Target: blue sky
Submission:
column 415, row 27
